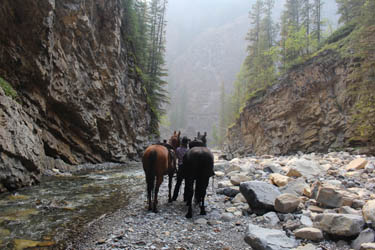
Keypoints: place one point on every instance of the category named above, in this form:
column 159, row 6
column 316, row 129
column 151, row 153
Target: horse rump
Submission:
column 198, row 164
column 157, row 161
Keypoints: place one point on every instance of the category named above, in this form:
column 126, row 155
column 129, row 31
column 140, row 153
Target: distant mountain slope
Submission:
column 196, row 75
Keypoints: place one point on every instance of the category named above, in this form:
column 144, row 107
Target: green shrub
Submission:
column 9, row 91
column 341, row 33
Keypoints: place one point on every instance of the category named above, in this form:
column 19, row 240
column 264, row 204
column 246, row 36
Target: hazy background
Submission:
column 205, row 49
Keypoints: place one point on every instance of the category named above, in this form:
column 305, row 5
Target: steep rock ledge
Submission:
column 78, row 98
column 308, row 110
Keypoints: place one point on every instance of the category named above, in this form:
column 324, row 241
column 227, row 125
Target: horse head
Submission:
column 202, row 138
column 175, row 140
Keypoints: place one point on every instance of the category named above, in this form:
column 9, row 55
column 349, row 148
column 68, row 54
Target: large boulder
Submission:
column 339, row 224
column 334, row 197
column 259, row 195
column 268, row 239
column 306, row 168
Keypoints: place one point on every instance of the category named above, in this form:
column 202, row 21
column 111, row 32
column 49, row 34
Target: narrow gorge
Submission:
column 78, row 98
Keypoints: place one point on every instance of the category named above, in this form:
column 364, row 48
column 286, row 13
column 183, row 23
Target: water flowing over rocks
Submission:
column 79, row 99
column 233, row 220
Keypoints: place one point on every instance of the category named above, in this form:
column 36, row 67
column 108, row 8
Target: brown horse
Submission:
column 175, row 140
column 158, row 161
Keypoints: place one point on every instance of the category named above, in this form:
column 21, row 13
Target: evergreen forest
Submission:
column 276, row 46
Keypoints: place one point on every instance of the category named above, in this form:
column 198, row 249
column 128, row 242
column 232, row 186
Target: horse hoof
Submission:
column 188, row 216
column 203, row 213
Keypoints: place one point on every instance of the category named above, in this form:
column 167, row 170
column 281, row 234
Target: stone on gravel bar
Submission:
column 237, row 179
column 296, row 187
column 366, row 236
column 279, row 179
column 306, row 247
column 268, row 239
column 228, row 191
column 334, row 197
column 309, row 233
column 306, row 168
column 356, row 164
column 339, row 224
column 286, row 203
column 368, row 246
column 260, row 195
column 369, row 212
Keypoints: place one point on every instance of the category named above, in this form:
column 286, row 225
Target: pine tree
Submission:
column 317, row 17
column 349, row 9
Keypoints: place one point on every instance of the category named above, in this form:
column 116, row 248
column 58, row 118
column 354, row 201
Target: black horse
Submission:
column 199, row 141
column 198, row 168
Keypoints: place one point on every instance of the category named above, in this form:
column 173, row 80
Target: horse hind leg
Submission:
column 170, row 181
column 150, row 188
column 202, row 185
column 189, row 182
column 159, row 180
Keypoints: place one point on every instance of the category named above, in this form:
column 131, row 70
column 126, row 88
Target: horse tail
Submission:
column 150, row 176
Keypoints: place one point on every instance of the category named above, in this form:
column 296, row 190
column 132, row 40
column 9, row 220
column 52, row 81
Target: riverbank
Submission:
column 323, row 186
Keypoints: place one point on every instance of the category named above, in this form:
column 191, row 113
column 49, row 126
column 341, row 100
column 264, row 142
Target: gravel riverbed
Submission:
column 134, row 227
column 299, row 193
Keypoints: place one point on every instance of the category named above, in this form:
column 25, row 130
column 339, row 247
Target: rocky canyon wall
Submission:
column 308, row 110
column 78, row 99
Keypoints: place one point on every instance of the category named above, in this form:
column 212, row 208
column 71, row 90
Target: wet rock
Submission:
column 268, row 239
column 286, row 203
column 309, row 233
column 339, row 224
column 259, row 195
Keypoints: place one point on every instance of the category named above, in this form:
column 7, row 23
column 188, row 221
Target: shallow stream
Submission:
column 44, row 216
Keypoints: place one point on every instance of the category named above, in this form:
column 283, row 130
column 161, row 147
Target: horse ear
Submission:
column 174, row 133
column 179, row 133
column 199, row 133
column 205, row 133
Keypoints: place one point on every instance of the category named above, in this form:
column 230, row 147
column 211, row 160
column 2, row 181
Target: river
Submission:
column 47, row 215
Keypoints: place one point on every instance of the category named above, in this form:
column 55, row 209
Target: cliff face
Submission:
column 308, row 110
column 78, row 98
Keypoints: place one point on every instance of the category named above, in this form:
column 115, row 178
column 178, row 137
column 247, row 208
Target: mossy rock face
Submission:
column 9, row 91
